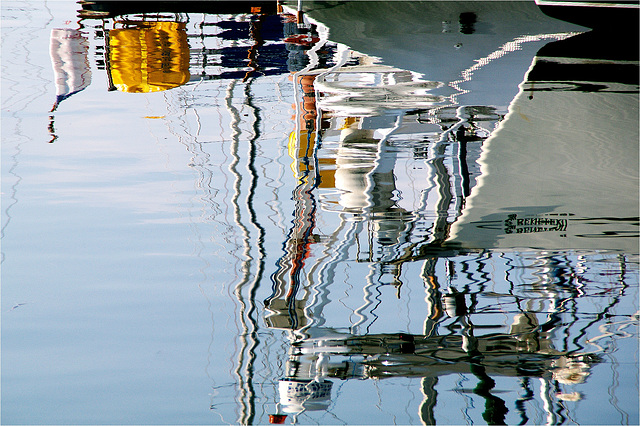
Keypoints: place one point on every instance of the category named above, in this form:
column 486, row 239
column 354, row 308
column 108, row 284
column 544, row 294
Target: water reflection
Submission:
column 148, row 56
column 355, row 120
column 70, row 59
column 69, row 52
column 425, row 178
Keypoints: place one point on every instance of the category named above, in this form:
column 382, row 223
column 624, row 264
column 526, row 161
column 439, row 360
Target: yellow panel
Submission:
column 151, row 58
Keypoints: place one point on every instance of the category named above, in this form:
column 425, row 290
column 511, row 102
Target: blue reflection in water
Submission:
column 316, row 231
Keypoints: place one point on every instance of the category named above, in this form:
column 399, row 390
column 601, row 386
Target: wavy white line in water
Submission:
column 506, row 48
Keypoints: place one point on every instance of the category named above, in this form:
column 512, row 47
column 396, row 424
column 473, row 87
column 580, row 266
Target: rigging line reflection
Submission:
column 616, row 299
column 370, row 295
column 248, row 316
column 547, row 402
column 434, row 309
column 326, row 276
column 194, row 147
column 253, row 185
column 505, row 49
column 19, row 98
column 527, row 395
column 252, row 313
column 14, row 187
column 429, row 401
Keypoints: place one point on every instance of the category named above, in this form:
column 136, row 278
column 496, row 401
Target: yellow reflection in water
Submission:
column 151, row 58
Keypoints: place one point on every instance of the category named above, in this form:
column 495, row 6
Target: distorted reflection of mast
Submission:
column 435, row 312
column 249, row 337
column 287, row 311
column 300, row 237
column 254, row 34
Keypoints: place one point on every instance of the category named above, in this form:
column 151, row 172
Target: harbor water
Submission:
column 357, row 212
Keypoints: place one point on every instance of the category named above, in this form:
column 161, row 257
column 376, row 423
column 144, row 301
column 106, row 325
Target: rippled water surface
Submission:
column 380, row 213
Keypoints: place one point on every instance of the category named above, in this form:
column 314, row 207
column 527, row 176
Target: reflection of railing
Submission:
column 147, row 51
column 529, row 349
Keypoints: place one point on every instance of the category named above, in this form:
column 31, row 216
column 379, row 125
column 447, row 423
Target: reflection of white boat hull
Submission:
column 587, row 163
column 447, row 41
column 529, row 168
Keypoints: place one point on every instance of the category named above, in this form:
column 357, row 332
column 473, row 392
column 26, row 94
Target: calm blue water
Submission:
column 221, row 218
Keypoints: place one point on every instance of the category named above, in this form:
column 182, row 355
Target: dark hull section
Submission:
column 621, row 16
column 598, row 57
column 108, row 9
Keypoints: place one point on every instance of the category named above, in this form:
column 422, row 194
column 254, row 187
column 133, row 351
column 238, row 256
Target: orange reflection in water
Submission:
column 151, row 57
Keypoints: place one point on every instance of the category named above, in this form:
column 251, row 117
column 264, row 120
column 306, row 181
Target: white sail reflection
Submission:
column 69, row 52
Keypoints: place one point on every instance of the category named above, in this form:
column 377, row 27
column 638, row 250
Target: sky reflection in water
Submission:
column 237, row 218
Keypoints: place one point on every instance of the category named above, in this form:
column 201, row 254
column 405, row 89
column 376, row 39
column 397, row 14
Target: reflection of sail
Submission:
column 150, row 57
column 69, row 56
